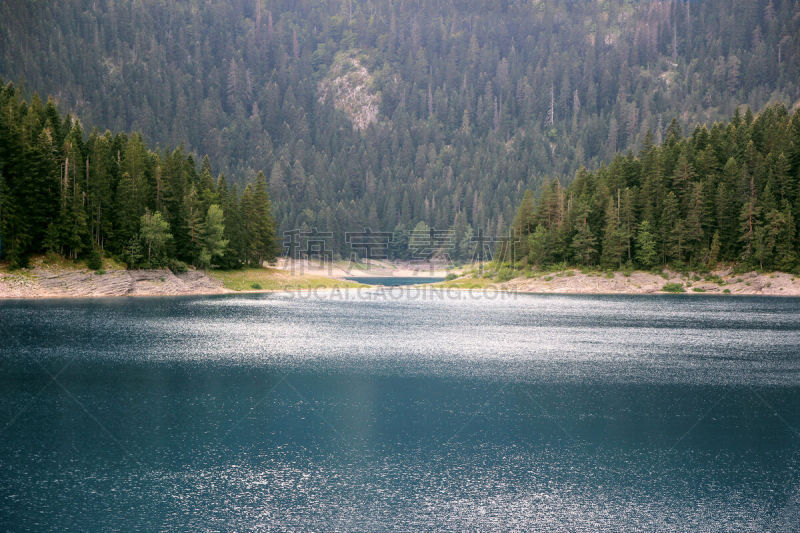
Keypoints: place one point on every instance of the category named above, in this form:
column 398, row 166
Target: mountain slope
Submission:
column 476, row 101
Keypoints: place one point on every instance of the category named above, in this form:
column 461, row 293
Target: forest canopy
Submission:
column 63, row 192
column 457, row 107
column 730, row 193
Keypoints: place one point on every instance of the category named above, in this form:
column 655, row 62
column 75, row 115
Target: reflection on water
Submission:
column 400, row 411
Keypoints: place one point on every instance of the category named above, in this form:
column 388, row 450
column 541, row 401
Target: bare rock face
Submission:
column 46, row 283
column 351, row 86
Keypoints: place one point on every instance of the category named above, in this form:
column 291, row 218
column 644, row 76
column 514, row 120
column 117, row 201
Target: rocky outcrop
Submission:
column 351, row 86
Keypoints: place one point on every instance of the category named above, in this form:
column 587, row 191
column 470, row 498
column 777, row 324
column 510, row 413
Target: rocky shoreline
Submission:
column 40, row 282
column 718, row 282
column 55, row 282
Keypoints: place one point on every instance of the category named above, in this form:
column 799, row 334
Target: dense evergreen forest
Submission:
column 730, row 193
column 63, row 192
column 383, row 114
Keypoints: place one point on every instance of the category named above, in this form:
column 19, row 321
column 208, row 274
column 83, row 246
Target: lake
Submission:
column 403, row 409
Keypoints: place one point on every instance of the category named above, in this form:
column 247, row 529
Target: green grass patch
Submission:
column 505, row 274
column 275, row 279
column 698, row 289
column 714, row 278
column 466, row 283
column 726, row 291
column 673, row 287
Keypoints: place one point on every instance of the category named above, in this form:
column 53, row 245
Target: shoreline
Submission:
column 718, row 282
column 55, row 282
column 60, row 283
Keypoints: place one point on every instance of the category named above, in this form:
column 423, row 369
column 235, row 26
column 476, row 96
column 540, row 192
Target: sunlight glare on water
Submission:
column 389, row 410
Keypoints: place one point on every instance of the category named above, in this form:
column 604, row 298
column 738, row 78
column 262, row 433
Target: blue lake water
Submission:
column 405, row 410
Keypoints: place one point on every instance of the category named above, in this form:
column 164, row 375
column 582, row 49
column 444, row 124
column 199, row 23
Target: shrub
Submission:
column 256, row 286
column 504, row 274
column 51, row 258
column 450, row 277
column 177, row 266
column 673, row 287
column 698, row 289
column 17, row 260
column 95, row 260
column 726, row 291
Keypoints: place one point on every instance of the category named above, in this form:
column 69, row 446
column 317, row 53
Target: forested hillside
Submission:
column 63, row 192
column 383, row 114
column 730, row 193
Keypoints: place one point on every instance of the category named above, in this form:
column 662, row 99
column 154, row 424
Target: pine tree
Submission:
column 267, row 248
column 672, row 229
column 539, row 245
column 522, row 224
column 52, row 240
column 613, row 245
column 584, row 243
column 132, row 254
column 693, row 230
column 727, row 211
column 749, row 229
column 646, row 254
column 714, row 251
column 193, row 220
